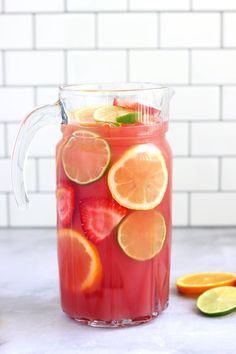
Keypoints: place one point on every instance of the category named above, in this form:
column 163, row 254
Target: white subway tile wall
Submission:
column 192, row 103
column 4, row 210
column 229, row 30
column 165, row 66
column 222, row 5
column 34, row 67
column 2, row 74
column 229, row 106
column 189, row 30
column 66, row 31
column 160, row 5
column 94, row 66
column 187, row 44
column 2, row 138
column 95, row 5
column 228, row 173
column 33, row 5
column 137, row 30
column 17, row 36
column 15, row 102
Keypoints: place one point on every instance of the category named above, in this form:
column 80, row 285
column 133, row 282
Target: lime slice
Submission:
column 88, row 150
column 218, row 301
column 129, row 118
column 109, row 113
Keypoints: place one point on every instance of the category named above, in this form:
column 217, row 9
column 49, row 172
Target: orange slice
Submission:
column 84, row 116
column 197, row 283
column 142, row 234
column 138, row 180
column 79, row 262
column 85, row 157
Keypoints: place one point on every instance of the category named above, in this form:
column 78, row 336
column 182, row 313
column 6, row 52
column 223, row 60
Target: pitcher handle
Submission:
column 38, row 118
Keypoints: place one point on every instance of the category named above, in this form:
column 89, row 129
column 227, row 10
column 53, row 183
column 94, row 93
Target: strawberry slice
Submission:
column 135, row 106
column 65, row 203
column 99, row 217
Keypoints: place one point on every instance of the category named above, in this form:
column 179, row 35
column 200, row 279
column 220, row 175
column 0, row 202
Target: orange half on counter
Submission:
column 197, row 283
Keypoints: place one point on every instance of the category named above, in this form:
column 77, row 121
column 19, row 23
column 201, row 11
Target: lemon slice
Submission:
column 84, row 115
column 218, row 301
column 110, row 113
column 138, row 180
column 141, row 234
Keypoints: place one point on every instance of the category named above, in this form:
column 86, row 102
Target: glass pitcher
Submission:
column 114, row 172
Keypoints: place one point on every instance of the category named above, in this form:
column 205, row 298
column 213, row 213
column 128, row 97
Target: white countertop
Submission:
column 31, row 321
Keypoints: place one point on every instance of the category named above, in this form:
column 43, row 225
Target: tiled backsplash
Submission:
column 190, row 45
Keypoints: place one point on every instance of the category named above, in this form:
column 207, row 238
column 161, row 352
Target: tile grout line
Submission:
column 5, row 127
column 33, row 31
column 191, row 5
column 159, row 31
column 35, row 96
column 221, row 30
column 65, row 6
column 65, row 54
column 141, row 11
column 3, row 68
column 189, row 139
column 117, row 49
column 189, row 67
column 96, row 34
column 221, row 103
column 127, row 65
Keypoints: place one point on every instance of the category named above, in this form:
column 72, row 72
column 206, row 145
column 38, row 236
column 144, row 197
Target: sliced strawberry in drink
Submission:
column 99, row 217
column 135, row 106
column 65, row 203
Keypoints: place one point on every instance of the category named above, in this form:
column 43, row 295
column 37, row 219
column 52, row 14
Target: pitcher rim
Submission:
column 111, row 87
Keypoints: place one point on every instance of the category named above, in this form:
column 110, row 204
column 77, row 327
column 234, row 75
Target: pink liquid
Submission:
column 129, row 289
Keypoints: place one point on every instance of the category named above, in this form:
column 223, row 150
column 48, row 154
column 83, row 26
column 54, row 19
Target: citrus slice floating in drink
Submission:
column 115, row 114
column 80, row 265
column 80, row 133
column 138, row 180
column 88, row 150
column 141, row 235
column 218, row 301
column 197, row 283
column 84, row 116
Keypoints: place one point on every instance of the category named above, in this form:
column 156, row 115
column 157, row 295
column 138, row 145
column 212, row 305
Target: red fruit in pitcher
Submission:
column 137, row 107
column 99, row 217
column 65, row 203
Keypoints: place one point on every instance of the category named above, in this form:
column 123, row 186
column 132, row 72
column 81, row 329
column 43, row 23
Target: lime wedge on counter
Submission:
column 218, row 301
column 114, row 114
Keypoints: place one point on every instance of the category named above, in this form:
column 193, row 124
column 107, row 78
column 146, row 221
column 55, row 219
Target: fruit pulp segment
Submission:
column 127, row 288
